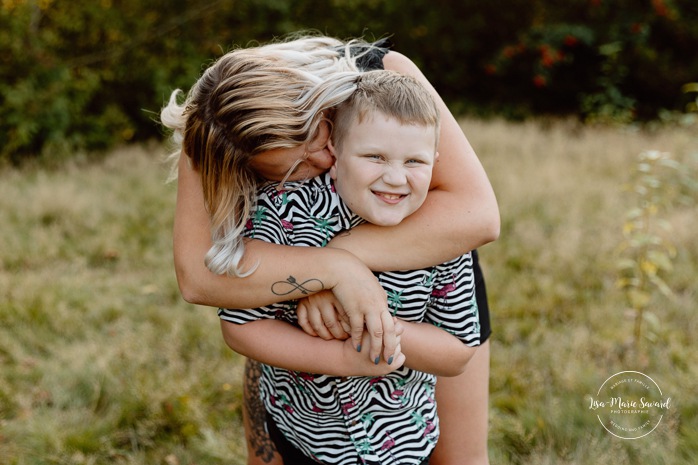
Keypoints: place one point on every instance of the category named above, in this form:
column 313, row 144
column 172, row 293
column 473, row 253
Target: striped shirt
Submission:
column 348, row 420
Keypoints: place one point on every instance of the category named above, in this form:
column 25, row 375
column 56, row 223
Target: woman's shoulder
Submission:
column 396, row 61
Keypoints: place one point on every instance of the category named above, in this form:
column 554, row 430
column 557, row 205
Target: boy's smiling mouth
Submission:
column 388, row 196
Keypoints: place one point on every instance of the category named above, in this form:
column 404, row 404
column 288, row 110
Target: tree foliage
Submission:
column 84, row 76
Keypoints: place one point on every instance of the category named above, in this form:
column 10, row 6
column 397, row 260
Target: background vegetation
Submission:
column 84, row 76
column 103, row 363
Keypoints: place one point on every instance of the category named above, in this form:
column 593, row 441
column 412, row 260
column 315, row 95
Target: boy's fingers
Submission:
column 318, row 325
column 302, row 314
column 392, row 357
column 343, row 315
column 398, row 358
column 332, row 323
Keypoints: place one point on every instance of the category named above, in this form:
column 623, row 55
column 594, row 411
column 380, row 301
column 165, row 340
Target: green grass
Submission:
column 103, row 363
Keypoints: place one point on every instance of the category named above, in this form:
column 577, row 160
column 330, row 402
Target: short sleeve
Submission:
column 241, row 316
column 453, row 306
column 265, row 222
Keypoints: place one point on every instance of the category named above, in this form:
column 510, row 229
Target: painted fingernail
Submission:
column 358, row 348
column 390, row 360
column 377, row 360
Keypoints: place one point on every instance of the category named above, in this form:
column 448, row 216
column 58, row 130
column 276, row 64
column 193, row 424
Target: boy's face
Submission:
column 383, row 169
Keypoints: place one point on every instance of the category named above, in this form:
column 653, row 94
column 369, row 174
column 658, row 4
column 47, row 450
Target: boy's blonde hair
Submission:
column 247, row 102
column 393, row 94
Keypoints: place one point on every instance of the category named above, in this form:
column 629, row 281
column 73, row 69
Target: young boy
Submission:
column 361, row 411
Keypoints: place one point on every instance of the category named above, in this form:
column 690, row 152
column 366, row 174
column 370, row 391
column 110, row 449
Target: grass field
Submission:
column 103, row 363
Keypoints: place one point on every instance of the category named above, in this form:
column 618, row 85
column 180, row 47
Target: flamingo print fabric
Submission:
column 349, row 420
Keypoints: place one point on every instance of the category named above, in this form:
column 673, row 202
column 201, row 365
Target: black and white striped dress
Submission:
column 384, row 420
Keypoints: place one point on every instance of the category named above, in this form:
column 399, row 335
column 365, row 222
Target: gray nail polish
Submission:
column 378, row 359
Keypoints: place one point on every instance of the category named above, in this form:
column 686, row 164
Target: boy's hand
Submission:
column 322, row 315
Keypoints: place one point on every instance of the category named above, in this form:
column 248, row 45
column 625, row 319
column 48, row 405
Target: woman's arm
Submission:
column 192, row 240
column 460, row 213
column 283, row 345
column 363, row 299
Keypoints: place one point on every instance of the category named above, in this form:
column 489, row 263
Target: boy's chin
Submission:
column 382, row 220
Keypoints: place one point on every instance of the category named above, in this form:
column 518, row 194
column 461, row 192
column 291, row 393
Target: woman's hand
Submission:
column 361, row 366
column 356, row 306
column 366, row 305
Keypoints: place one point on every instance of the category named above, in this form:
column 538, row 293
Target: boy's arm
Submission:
column 430, row 349
column 446, row 339
column 433, row 350
column 283, row 345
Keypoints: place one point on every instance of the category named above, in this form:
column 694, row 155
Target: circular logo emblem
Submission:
column 629, row 405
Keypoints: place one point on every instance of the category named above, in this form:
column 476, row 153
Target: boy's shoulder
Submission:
column 321, row 185
column 301, row 203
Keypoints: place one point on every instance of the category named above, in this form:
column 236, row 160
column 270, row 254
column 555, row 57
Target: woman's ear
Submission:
column 333, row 168
column 322, row 136
column 330, row 147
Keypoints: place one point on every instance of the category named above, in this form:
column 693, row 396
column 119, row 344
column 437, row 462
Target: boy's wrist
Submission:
column 359, row 364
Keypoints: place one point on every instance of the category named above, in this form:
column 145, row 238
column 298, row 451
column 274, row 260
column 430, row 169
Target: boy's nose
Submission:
column 394, row 176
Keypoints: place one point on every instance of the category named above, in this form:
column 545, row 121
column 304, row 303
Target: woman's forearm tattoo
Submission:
column 309, row 286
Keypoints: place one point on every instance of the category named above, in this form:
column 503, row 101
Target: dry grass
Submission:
column 102, row 362
column 561, row 326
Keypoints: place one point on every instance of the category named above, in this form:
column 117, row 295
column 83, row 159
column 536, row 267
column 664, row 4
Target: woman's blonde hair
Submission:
column 249, row 101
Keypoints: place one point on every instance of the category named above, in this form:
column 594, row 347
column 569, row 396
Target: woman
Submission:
column 460, row 214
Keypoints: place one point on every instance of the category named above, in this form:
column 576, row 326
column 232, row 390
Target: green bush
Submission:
column 83, row 77
column 611, row 61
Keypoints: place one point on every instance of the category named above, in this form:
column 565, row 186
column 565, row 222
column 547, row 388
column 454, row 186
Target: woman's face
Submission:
column 275, row 164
